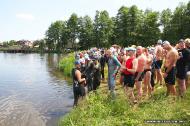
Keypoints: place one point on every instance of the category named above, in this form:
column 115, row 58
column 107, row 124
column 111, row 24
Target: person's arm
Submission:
column 134, row 69
column 118, row 65
column 78, row 76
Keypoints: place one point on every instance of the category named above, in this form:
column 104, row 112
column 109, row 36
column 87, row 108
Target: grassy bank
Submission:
column 66, row 64
column 100, row 110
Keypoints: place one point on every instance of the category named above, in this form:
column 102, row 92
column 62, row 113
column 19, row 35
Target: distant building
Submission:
column 25, row 43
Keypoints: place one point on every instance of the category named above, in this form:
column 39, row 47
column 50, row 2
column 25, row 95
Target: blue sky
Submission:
column 29, row 19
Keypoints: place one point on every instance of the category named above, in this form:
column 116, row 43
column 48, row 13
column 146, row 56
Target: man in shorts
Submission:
column 129, row 77
column 170, row 64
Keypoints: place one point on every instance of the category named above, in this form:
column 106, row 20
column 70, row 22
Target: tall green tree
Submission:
column 85, row 32
column 53, row 35
column 72, row 25
column 133, row 24
column 150, row 31
column 165, row 21
column 120, row 29
column 186, row 23
column 103, row 29
column 65, row 32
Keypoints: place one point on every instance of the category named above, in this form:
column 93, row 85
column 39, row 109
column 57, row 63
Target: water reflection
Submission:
column 31, row 89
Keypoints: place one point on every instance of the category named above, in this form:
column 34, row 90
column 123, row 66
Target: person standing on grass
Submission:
column 159, row 61
column 130, row 68
column 151, row 51
column 139, row 75
column 113, row 67
column 187, row 44
column 97, row 75
column 181, row 67
column 147, row 73
column 170, row 64
column 78, row 83
column 102, row 64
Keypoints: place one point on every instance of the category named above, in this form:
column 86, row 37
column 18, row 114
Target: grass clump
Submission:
column 66, row 64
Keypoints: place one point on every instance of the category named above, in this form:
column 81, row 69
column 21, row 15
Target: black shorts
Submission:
column 78, row 91
column 158, row 64
column 181, row 73
column 170, row 79
column 147, row 71
column 122, row 74
column 141, row 76
column 129, row 80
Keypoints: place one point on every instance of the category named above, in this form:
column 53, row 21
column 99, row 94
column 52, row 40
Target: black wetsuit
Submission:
column 89, row 76
column 182, row 63
column 78, row 89
column 102, row 64
column 96, row 78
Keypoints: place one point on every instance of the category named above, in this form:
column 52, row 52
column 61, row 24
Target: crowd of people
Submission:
column 139, row 68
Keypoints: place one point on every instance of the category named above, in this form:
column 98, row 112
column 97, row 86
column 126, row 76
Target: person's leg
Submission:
column 157, row 76
column 76, row 96
column 160, row 78
column 130, row 94
column 145, row 86
column 182, row 86
column 152, row 80
column 187, row 83
column 112, row 86
column 168, row 90
column 148, row 74
column 109, row 81
column 121, row 79
column 102, row 72
column 139, row 89
column 172, row 90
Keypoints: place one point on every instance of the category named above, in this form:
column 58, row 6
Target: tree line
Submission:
column 131, row 26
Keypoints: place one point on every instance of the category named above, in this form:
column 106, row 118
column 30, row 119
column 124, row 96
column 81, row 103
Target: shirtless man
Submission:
column 140, row 70
column 147, row 73
column 170, row 63
column 158, row 63
column 130, row 69
column 124, row 58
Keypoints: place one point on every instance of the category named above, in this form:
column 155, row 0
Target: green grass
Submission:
column 100, row 110
column 66, row 64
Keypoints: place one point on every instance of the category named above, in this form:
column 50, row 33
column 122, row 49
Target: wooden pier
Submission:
column 18, row 51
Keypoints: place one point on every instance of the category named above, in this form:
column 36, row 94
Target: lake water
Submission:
column 32, row 91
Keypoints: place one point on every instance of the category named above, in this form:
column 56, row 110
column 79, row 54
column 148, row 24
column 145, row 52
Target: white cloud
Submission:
column 25, row 16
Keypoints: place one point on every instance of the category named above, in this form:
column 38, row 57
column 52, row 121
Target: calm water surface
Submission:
column 32, row 91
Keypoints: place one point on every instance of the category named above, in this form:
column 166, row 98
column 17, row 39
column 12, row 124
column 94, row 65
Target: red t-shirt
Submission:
column 129, row 65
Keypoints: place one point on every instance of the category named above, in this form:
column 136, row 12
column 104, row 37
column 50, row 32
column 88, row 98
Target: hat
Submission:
column 181, row 40
column 130, row 49
column 77, row 62
column 159, row 42
column 166, row 43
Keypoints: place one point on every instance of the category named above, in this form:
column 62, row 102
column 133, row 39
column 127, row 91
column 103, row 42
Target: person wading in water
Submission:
column 78, row 83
